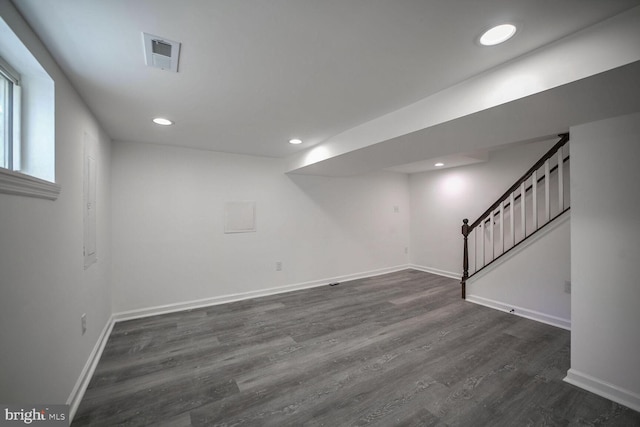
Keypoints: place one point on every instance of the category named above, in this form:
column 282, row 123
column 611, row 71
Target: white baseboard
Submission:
column 450, row 274
column 604, row 389
column 89, row 368
column 522, row 312
column 223, row 299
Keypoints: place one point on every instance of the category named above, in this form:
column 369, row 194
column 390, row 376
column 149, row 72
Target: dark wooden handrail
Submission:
column 526, row 190
column 564, row 137
column 466, row 228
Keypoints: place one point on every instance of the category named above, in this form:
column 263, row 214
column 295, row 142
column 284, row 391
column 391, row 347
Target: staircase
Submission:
column 534, row 201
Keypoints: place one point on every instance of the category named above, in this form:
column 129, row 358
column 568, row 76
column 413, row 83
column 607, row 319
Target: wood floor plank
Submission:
column 401, row 349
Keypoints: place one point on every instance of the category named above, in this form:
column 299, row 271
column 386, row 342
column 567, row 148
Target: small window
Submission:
column 9, row 117
column 27, row 121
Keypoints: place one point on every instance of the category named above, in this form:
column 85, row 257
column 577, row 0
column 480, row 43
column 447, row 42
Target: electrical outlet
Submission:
column 406, row 250
column 567, row 286
column 396, row 209
column 83, row 322
column 278, row 265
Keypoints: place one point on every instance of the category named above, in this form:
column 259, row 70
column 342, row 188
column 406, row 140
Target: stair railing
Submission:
column 540, row 196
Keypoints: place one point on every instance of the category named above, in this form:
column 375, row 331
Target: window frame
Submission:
column 12, row 181
column 11, row 137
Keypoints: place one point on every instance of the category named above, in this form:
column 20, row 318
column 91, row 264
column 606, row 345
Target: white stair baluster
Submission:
column 481, row 241
column 534, row 199
column 547, row 179
column 560, row 181
column 501, row 228
column 523, row 211
column 491, row 229
column 511, row 220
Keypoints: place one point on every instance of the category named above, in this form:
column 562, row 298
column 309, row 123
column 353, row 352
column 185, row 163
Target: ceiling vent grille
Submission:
column 161, row 53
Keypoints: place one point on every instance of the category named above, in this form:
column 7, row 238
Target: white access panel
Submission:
column 240, row 217
column 89, row 201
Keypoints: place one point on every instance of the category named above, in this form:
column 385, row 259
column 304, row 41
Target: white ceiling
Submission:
column 254, row 74
column 448, row 161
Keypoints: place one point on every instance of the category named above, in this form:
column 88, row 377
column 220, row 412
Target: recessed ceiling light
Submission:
column 295, row 141
column 498, row 34
column 161, row 121
column 439, row 164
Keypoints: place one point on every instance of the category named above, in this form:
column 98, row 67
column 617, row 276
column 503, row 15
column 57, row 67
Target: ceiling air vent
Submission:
column 161, row 53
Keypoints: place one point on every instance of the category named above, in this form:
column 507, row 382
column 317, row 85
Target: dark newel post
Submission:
column 465, row 258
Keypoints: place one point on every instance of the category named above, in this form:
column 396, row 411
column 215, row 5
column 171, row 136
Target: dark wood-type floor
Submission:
column 400, row 349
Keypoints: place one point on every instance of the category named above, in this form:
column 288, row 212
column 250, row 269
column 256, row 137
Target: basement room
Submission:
column 319, row 213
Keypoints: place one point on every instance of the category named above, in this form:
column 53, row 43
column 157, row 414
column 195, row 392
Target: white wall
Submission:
column 440, row 200
column 43, row 285
column 530, row 279
column 169, row 244
column 605, row 236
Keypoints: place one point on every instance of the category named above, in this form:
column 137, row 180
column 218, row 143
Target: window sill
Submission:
column 24, row 185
